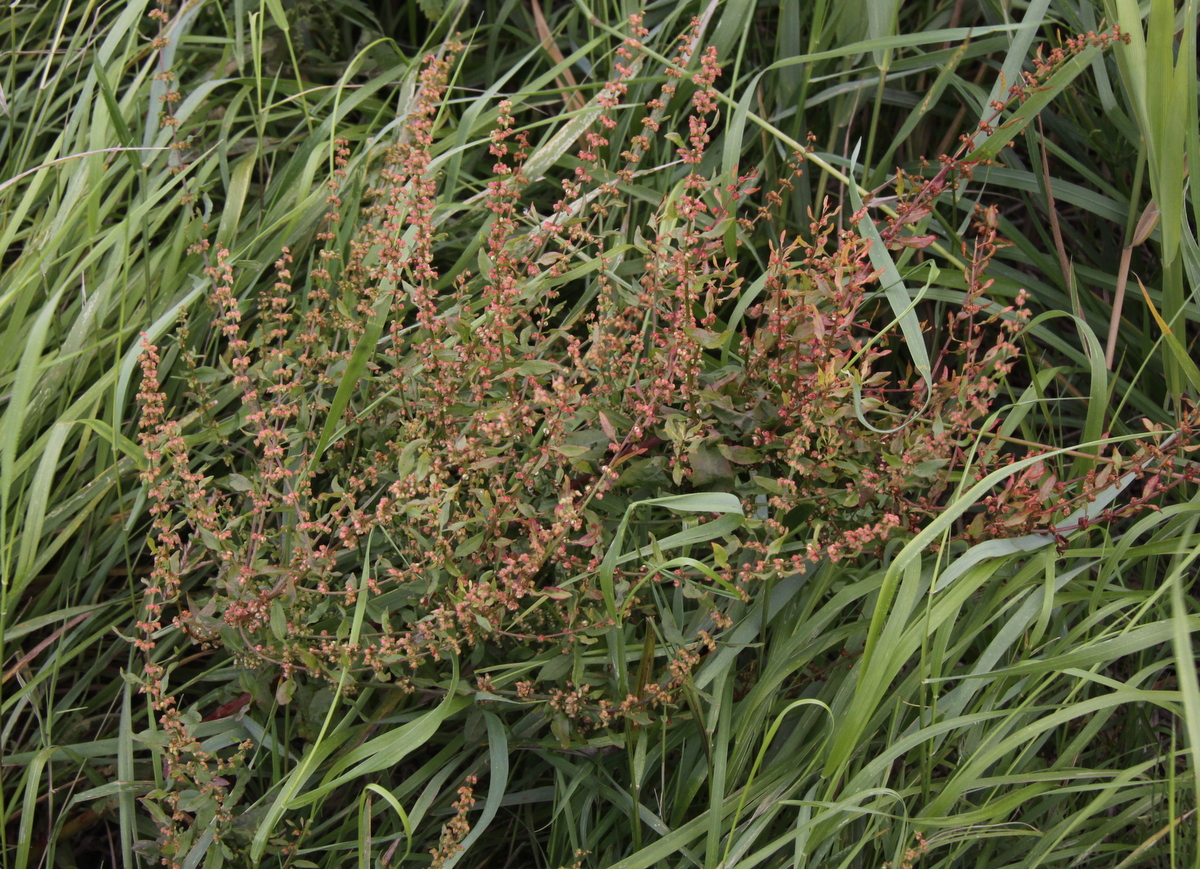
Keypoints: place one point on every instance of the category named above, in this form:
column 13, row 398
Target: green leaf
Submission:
column 278, row 15
column 363, row 351
column 1016, row 122
column 740, row 455
column 497, row 786
column 1182, row 358
column 544, row 158
column 400, row 813
column 433, row 9
column 708, row 465
column 901, row 300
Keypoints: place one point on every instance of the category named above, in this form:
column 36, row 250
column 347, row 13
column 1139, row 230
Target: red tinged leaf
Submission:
column 233, row 707
column 915, row 242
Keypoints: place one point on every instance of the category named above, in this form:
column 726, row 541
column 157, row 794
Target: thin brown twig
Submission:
column 572, row 97
column 40, row 647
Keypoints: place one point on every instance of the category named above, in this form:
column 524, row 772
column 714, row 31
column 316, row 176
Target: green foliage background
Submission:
column 1011, row 701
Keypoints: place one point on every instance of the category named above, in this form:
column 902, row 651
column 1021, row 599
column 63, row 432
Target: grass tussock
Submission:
column 598, row 437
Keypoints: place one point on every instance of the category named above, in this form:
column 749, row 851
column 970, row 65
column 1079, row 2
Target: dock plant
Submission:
column 554, row 489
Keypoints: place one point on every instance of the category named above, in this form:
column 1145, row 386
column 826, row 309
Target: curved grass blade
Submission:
column 497, row 785
column 354, row 369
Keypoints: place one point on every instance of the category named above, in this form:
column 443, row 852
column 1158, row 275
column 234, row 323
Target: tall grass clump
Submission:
column 507, row 470
column 481, row 524
column 128, row 133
